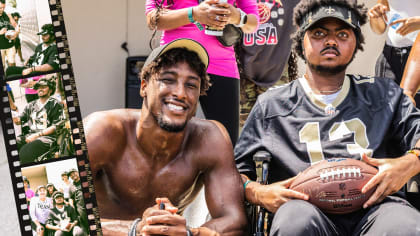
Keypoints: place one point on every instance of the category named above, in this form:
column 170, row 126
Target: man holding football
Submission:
column 9, row 30
column 328, row 114
column 45, row 57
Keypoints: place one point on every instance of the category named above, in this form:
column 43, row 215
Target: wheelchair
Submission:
column 259, row 217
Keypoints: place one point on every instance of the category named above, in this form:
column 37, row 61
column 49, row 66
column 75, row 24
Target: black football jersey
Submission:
column 369, row 115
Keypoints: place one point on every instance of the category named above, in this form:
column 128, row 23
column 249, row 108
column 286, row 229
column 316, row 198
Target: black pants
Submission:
column 222, row 103
column 391, row 63
column 394, row 216
column 29, row 152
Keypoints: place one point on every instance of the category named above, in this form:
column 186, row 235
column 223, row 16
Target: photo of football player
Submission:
column 45, row 57
column 9, row 31
column 42, row 126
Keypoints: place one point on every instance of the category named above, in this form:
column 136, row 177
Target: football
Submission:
column 9, row 34
column 334, row 185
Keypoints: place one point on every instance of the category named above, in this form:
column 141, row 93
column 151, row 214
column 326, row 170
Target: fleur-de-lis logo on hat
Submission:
column 330, row 10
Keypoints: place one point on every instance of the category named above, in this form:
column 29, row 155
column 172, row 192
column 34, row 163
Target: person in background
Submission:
column 51, row 189
column 39, row 209
column 18, row 46
column 272, row 39
column 402, row 19
column 28, row 191
column 186, row 19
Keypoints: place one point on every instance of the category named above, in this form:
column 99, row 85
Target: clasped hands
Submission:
column 216, row 14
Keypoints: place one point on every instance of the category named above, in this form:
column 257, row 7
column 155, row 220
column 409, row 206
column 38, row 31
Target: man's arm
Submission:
column 377, row 16
column 204, row 13
column 223, row 188
column 411, row 78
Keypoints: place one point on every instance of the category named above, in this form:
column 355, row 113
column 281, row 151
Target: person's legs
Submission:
column 383, row 68
column 222, row 104
column 394, row 216
column 30, row 151
column 11, row 54
column 249, row 93
column 298, row 217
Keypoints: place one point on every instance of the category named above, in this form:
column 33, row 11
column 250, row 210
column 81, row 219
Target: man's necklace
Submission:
column 325, row 91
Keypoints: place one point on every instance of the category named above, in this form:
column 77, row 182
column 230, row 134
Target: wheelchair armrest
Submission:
column 262, row 156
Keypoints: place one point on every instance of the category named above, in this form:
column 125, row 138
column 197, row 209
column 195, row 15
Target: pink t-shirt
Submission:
column 222, row 59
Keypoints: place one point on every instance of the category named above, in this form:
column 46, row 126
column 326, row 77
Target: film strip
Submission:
column 53, row 167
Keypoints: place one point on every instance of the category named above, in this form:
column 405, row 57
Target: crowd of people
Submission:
column 300, row 121
column 57, row 210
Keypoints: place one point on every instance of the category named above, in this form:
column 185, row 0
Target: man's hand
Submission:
column 3, row 31
column 163, row 222
column 272, row 196
column 392, row 175
column 379, row 11
column 409, row 25
column 212, row 15
column 27, row 71
column 32, row 137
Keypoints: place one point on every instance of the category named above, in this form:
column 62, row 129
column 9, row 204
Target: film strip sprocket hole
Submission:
column 81, row 162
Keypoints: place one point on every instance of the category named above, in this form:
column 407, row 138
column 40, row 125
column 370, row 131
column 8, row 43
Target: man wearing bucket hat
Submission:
column 45, row 57
column 327, row 114
column 63, row 220
column 42, row 117
column 149, row 164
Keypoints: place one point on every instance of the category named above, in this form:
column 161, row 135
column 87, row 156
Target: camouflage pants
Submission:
column 249, row 93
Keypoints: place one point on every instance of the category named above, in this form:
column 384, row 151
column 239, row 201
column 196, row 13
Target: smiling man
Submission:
column 40, row 118
column 327, row 114
column 162, row 154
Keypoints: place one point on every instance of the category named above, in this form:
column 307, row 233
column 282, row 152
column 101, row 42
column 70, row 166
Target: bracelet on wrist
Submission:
column 246, row 183
column 191, row 19
column 189, row 233
column 415, row 151
column 133, row 227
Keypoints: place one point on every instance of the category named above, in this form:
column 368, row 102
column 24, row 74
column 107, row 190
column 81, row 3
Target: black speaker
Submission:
column 132, row 81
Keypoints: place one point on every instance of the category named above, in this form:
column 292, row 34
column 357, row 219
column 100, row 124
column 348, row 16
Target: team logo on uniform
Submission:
column 330, row 110
column 266, row 34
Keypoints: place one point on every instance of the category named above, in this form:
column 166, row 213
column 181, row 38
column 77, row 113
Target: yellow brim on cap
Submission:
column 189, row 44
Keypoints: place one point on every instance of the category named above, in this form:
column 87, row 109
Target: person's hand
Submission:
column 392, row 175
column 234, row 17
column 211, row 14
column 272, row 196
column 3, row 30
column 27, row 71
column 32, row 137
column 163, row 222
column 379, row 11
column 39, row 229
column 409, row 25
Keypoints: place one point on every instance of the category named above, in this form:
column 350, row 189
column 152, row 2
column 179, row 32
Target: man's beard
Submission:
column 165, row 125
column 59, row 204
column 328, row 70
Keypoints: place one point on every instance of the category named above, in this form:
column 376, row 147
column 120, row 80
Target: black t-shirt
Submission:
column 5, row 23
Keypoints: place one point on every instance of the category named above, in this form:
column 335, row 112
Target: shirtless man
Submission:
column 162, row 154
